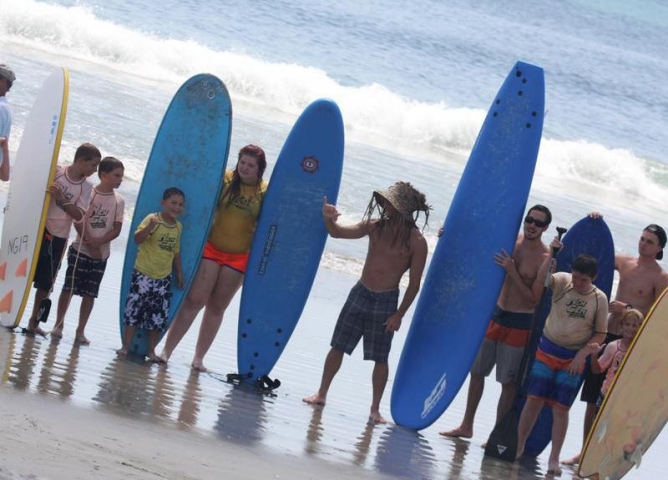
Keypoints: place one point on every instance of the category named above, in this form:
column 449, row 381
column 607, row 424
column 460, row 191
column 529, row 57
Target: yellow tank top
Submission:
column 234, row 225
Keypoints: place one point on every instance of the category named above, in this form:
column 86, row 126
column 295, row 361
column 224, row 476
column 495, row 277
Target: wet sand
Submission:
column 73, row 411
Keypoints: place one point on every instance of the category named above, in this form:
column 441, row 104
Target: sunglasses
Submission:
column 535, row 221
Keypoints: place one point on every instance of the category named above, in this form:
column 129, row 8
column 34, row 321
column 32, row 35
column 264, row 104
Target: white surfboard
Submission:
column 25, row 211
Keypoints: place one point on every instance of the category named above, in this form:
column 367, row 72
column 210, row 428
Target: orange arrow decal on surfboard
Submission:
column 6, row 302
column 22, row 269
column 3, row 269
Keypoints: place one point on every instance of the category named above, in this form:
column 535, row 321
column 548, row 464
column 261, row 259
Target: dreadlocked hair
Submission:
column 405, row 224
column 234, row 189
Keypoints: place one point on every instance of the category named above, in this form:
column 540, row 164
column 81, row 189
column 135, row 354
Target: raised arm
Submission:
column 330, row 216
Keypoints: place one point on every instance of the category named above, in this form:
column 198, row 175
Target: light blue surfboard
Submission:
column 463, row 281
column 189, row 152
column 289, row 238
column 591, row 236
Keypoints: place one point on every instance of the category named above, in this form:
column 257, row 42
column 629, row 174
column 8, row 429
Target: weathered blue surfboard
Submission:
column 463, row 281
column 189, row 152
column 591, row 236
column 289, row 238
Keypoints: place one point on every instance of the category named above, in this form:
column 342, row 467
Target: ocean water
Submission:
column 413, row 80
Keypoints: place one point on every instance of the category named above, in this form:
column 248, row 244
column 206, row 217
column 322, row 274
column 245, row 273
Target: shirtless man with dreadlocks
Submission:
column 396, row 245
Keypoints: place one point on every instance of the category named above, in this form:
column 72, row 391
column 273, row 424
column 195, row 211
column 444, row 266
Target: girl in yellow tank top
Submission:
column 221, row 271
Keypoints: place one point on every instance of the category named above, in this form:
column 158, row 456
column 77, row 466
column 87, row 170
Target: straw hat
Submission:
column 404, row 198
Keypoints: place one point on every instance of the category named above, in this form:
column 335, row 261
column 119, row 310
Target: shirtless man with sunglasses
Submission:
column 510, row 327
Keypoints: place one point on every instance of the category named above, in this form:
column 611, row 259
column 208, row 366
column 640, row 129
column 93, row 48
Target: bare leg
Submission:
column 152, row 342
column 332, row 365
column 32, row 323
column 476, row 388
column 85, row 310
column 200, row 290
column 590, row 415
column 559, row 428
column 528, row 419
column 63, row 304
column 127, row 339
column 379, row 380
column 227, row 285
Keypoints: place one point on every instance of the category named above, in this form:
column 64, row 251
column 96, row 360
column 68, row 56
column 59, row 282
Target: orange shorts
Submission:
column 235, row 261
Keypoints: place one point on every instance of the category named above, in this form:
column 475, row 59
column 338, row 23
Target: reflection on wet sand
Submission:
column 242, row 415
column 405, row 453
column 56, row 376
column 460, row 449
column 190, row 400
column 314, row 432
column 363, row 444
column 22, row 365
column 124, row 385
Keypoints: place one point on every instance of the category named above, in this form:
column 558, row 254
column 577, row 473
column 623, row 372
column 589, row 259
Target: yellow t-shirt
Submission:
column 235, row 222
column 156, row 254
column 574, row 318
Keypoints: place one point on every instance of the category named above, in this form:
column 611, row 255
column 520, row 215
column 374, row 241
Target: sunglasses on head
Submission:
column 535, row 221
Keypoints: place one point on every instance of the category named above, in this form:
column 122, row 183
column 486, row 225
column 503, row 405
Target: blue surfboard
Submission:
column 289, row 238
column 463, row 281
column 189, row 152
column 591, row 236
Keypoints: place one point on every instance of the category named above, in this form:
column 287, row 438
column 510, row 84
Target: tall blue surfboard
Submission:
column 189, row 152
column 289, row 238
column 463, row 281
column 591, row 236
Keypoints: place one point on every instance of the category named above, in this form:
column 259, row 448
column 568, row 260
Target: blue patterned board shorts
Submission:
column 364, row 315
column 549, row 378
column 85, row 279
column 147, row 305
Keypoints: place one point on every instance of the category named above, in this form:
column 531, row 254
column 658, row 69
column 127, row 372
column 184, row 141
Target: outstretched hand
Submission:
column 329, row 211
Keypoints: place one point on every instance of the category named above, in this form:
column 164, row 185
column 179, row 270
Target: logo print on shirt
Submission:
column 576, row 308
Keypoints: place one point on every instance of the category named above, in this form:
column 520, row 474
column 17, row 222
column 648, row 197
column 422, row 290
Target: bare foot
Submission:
column 554, row 469
column 164, row 355
column 459, row 432
column 121, row 352
column 315, row 399
column 375, row 418
column 80, row 338
column 198, row 366
column 35, row 331
column 572, row 461
column 57, row 332
column 152, row 357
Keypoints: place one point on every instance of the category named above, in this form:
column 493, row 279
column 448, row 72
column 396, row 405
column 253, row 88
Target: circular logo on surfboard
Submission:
column 310, row 164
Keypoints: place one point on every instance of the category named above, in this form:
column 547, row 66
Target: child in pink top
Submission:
column 615, row 351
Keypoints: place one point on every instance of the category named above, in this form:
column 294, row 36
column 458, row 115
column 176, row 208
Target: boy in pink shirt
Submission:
column 70, row 192
column 88, row 254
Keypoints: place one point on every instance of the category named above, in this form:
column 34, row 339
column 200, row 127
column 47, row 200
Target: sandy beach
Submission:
column 44, row 438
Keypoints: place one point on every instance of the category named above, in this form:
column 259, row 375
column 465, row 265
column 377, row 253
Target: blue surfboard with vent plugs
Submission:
column 463, row 281
column 189, row 152
column 290, row 238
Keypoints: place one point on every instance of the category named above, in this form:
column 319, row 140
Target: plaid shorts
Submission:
column 84, row 274
column 364, row 315
column 147, row 304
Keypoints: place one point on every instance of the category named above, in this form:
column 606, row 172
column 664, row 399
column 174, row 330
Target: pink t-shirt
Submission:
column 103, row 211
column 58, row 221
column 611, row 360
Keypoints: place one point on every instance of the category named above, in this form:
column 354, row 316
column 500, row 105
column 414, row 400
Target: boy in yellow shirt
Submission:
column 147, row 305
